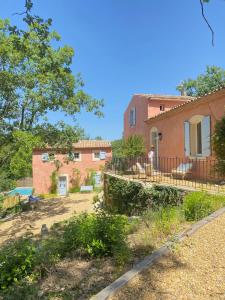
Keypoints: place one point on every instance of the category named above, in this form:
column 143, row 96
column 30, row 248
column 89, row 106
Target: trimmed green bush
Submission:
column 198, row 205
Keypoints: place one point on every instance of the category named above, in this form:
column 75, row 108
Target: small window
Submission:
column 96, row 155
column 44, row 157
column 77, row 156
column 132, row 117
column 162, row 107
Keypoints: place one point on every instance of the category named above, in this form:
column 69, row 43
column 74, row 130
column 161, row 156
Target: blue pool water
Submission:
column 23, row 191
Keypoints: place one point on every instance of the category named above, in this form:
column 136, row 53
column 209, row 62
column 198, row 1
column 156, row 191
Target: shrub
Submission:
column 219, row 145
column 97, row 235
column 128, row 197
column 198, row 205
column 124, row 196
column 17, row 260
column 165, row 196
column 54, row 182
column 74, row 190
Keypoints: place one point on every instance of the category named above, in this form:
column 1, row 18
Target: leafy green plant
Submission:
column 123, row 196
column 97, row 235
column 74, row 190
column 219, row 145
column 130, row 197
column 54, row 182
column 198, row 205
column 17, row 260
column 165, row 196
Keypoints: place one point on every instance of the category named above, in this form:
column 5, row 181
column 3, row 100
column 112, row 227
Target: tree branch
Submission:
column 205, row 19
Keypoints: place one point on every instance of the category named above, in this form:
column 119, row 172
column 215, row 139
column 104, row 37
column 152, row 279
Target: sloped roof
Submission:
column 82, row 144
column 165, row 97
column 184, row 105
column 92, row 144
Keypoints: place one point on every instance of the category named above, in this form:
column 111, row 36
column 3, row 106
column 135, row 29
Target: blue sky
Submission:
column 123, row 47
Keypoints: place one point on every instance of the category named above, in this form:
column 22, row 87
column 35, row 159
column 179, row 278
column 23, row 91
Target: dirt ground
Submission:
column 195, row 270
column 48, row 211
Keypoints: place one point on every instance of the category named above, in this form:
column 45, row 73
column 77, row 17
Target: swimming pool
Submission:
column 23, row 191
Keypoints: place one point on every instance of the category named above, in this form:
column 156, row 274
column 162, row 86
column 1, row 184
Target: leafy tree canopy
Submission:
column 133, row 146
column 36, row 78
column 212, row 79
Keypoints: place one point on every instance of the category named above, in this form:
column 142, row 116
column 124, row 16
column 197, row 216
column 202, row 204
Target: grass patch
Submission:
column 198, row 205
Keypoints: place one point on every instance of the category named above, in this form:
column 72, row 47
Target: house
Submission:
column 87, row 156
column 185, row 131
column 147, row 106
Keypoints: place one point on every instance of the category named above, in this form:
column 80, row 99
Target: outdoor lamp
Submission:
column 160, row 136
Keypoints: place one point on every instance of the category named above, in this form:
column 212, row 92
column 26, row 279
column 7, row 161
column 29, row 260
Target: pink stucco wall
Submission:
column 43, row 170
column 172, row 124
column 147, row 106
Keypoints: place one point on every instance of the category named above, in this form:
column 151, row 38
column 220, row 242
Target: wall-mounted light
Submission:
column 160, row 136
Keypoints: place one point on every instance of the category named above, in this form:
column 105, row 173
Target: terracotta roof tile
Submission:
column 193, row 100
column 166, row 97
column 92, row 144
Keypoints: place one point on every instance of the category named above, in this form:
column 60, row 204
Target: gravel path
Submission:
column 49, row 211
column 195, row 270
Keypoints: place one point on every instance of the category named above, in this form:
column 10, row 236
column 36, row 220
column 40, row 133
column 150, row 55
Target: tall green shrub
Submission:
column 219, row 145
column 54, row 182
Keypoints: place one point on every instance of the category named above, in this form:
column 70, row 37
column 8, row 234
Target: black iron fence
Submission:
column 198, row 173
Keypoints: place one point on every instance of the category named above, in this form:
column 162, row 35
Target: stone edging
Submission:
column 148, row 261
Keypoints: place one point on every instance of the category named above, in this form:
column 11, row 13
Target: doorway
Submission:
column 62, row 185
column 154, row 141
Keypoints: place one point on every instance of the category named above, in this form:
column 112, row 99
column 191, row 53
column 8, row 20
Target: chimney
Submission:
column 183, row 90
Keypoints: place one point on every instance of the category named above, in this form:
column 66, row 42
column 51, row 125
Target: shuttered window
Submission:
column 197, row 137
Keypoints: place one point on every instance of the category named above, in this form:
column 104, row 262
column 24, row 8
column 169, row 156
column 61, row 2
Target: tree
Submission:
column 219, row 145
column 117, row 148
column 134, row 146
column 212, row 79
column 131, row 147
column 98, row 137
column 36, row 77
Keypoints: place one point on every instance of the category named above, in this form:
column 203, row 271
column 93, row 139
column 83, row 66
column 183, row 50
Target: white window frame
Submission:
column 193, row 137
column 77, row 159
column 93, row 155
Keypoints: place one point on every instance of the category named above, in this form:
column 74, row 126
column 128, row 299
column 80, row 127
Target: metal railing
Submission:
column 196, row 174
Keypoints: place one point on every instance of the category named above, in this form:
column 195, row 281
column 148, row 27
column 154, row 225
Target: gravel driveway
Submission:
column 195, row 270
column 49, row 211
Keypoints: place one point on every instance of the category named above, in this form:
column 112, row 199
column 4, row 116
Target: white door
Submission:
column 62, row 186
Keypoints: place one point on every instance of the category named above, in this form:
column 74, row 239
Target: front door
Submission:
column 62, row 186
